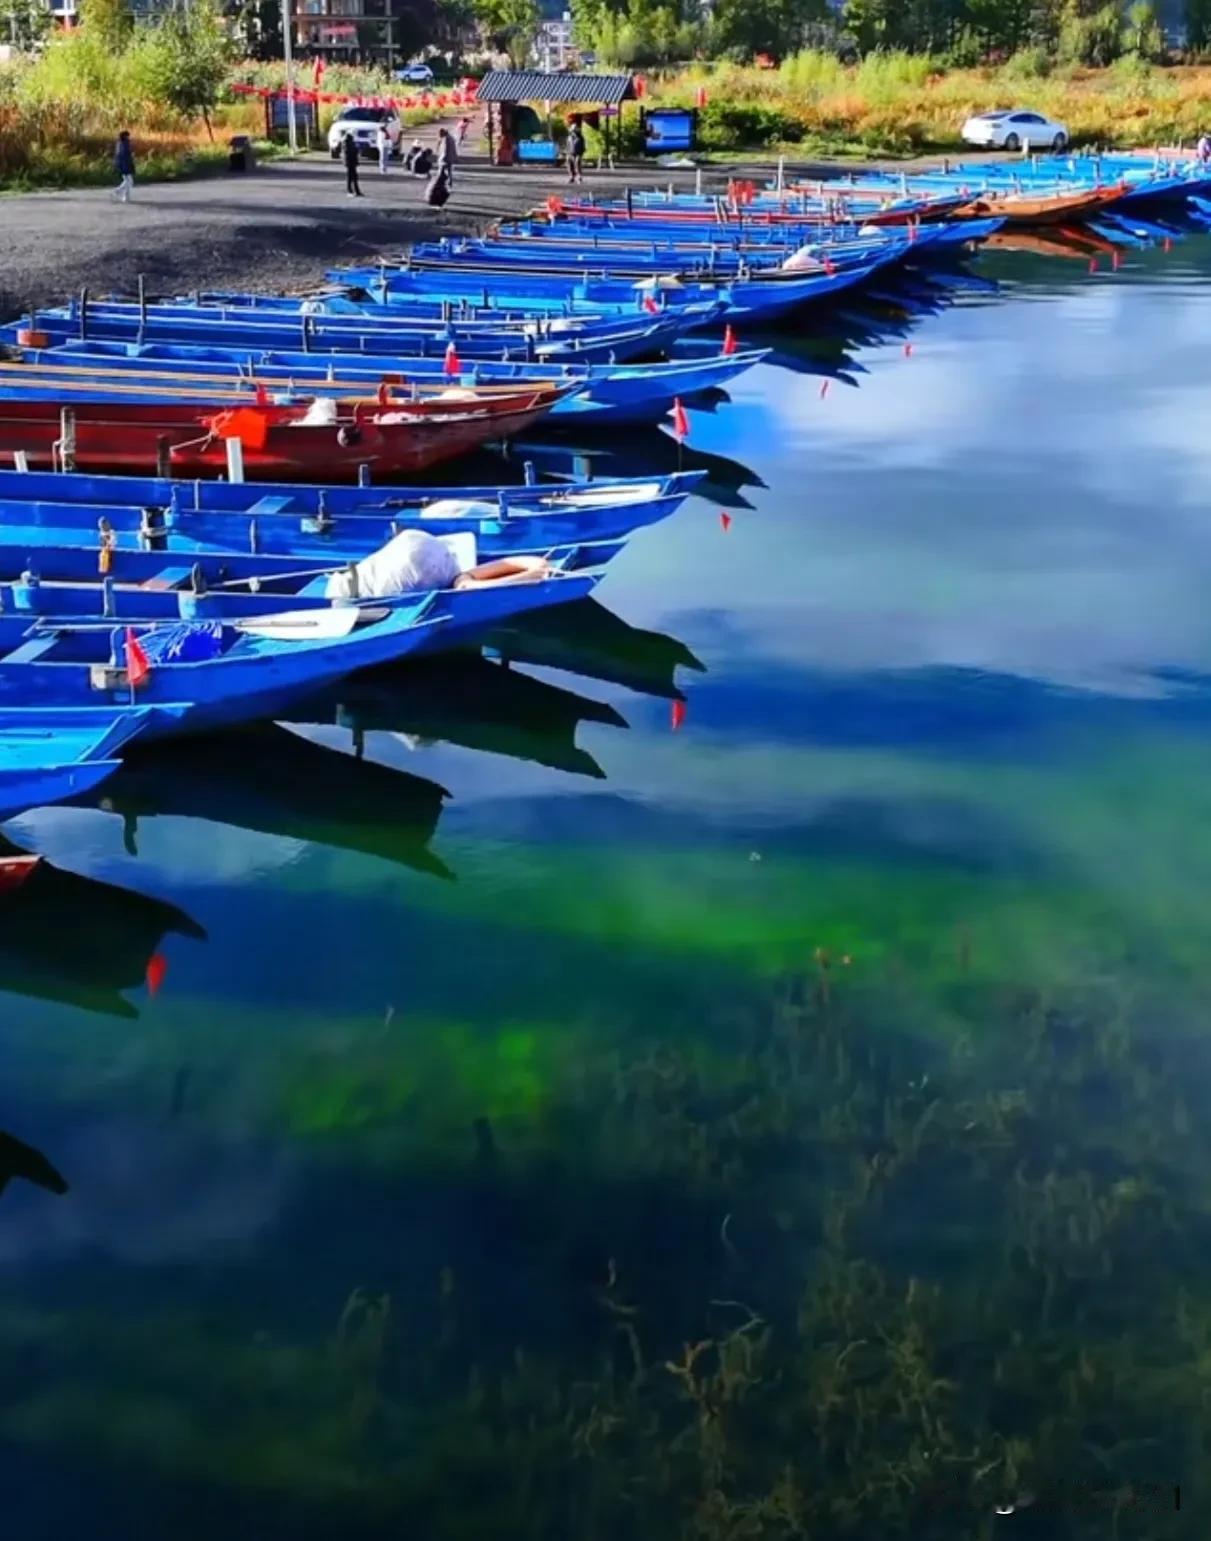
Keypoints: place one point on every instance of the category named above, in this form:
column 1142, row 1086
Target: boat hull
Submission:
column 144, row 438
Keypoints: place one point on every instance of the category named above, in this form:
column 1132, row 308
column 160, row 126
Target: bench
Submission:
column 168, row 578
column 544, row 150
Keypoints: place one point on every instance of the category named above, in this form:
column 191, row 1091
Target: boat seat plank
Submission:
column 167, row 578
column 270, row 505
column 31, row 649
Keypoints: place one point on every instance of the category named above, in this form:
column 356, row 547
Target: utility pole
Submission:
column 288, row 42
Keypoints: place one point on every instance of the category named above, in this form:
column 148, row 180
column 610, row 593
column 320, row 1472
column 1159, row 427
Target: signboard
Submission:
column 666, row 129
column 279, row 118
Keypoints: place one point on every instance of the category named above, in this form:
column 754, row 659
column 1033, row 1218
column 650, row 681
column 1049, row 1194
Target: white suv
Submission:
column 362, row 124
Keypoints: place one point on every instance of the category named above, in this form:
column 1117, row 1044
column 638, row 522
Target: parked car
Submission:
column 416, row 75
column 1015, row 129
column 362, row 123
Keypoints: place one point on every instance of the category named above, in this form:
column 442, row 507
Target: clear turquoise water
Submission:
column 849, row 1029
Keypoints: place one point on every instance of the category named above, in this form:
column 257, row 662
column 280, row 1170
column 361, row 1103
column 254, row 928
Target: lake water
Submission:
column 782, row 1111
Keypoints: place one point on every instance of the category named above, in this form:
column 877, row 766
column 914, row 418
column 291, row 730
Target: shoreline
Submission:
column 279, row 227
column 276, row 228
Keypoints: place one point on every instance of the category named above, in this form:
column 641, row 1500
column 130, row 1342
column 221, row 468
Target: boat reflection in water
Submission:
column 21, row 1161
column 84, row 942
column 270, row 781
column 587, row 639
column 77, row 940
column 464, row 699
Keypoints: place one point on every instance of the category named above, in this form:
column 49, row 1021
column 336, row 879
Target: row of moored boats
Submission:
column 201, row 523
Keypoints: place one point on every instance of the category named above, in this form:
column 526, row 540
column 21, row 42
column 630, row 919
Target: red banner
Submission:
column 459, row 97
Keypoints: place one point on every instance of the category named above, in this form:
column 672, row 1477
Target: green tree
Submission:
column 774, row 27
column 184, row 62
column 1198, row 25
column 511, row 25
column 108, row 22
column 23, row 22
column 874, row 23
column 256, row 28
column 1091, row 31
column 1144, row 35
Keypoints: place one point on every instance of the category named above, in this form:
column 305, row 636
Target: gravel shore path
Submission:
column 277, row 228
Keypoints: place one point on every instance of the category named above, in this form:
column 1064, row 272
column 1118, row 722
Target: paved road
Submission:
column 275, row 229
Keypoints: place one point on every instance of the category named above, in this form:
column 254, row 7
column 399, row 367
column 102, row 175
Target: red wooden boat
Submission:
column 280, row 443
column 14, row 870
column 1044, row 209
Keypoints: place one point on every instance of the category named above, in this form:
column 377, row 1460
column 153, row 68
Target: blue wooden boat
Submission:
column 207, row 591
column 180, row 519
column 761, row 297
column 214, row 674
column 49, row 754
column 614, row 338
column 631, row 393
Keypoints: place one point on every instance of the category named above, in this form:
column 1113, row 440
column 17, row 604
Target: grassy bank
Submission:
column 902, row 104
column 58, row 125
column 57, row 146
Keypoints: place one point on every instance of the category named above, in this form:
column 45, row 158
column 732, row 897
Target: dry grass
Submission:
column 896, row 103
column 70, row 144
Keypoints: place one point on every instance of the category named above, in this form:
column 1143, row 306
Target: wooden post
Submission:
column 67, row 439
column 142, row 305
column 83, row 314
column 163, row 457
column 491, row 146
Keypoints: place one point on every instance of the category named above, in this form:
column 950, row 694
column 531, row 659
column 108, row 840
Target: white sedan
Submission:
column 361, row 124
column 1015, row 129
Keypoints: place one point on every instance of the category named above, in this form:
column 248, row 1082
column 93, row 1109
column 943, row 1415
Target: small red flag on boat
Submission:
column 824, row 385
column 384, row 394
column 681, row 421
column 248, row 424
column 262, row 395
column 554, row 205
column 678, row 714
column 908, row 350
column 730, row 345
column 157, row 969
column 725, row 519
column 650, row 305
column 137, row 666
column 453, row 365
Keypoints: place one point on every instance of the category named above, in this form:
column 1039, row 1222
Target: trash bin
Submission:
column 240, row 154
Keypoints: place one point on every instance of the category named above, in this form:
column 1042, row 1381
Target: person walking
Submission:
column 124, row 165
column 576, row 151
column 464, row 126
column 447, row 154
column 350, row 152
column 383, row 141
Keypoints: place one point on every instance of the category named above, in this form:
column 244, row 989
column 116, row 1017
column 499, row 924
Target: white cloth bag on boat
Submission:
column 411, row 563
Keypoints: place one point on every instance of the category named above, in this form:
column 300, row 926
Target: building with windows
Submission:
column 554, row 48
column 347, row 31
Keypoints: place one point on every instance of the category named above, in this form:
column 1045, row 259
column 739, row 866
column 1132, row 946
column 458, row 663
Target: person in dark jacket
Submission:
column 124, row 165
column 447, row 154
column 350, row 152
column 575, row 151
